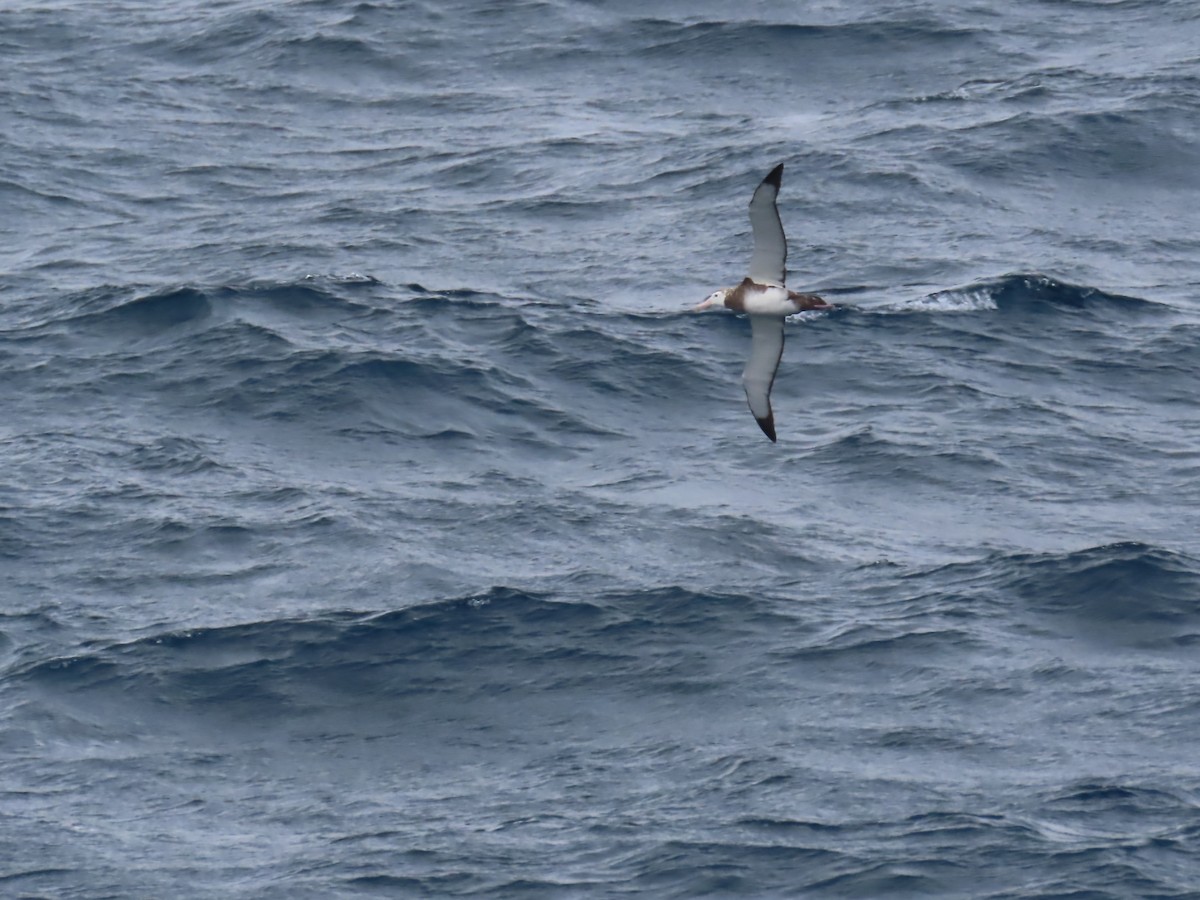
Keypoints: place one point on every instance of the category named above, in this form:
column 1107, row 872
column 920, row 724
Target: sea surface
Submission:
column 377, row 520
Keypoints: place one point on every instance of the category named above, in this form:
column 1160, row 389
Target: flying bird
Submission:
column 764, row 299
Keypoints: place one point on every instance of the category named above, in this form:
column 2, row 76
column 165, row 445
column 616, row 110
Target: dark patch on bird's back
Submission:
column 807, row 301
column 736, row 300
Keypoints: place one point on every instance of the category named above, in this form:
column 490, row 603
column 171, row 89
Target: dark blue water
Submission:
column 375, row 519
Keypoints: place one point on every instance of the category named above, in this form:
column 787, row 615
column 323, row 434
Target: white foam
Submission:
column 972, row 299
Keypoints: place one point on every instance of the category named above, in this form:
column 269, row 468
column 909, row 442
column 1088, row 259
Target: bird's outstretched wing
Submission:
column 766, row 348
column 768, row 265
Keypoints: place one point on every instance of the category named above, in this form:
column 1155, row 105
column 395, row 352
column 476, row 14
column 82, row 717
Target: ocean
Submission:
column 378, row 520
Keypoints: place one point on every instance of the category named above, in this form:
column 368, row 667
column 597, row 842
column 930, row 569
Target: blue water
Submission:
column 376, row 519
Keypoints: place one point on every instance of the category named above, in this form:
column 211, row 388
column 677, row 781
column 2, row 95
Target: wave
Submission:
column 910, row 459
column 1115, row 584
column 1139, row 147
column 516, row 324
column 174, row 455
column 1127, row 592
column 1028, row 293
column 129, row 307
column 659, row 35
column 468, row 648
column 153, row 312
column 361, row 355
column 351, row 356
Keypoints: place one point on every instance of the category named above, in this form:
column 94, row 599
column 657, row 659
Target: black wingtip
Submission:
column 767, row 425
column 776, row 176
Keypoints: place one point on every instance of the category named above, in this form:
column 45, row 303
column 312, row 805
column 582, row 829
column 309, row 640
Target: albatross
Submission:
column 765, row 300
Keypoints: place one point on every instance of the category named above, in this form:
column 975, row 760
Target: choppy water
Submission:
column 375, row 520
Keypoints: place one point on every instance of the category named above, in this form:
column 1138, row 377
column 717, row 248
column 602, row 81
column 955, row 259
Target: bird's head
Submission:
column 716, row 298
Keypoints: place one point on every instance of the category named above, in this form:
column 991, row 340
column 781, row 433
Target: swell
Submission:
column 1032, row 294
column 286, row 350
column 352, row 356
column 1126, row 593
column 650, row 642
column 1140, row 147
column 469, row 648
column 668, row 37
column 1043, row 340
column 356, row 356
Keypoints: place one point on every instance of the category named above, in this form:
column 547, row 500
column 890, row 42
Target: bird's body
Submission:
column 763, row 297
column 769, row 300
